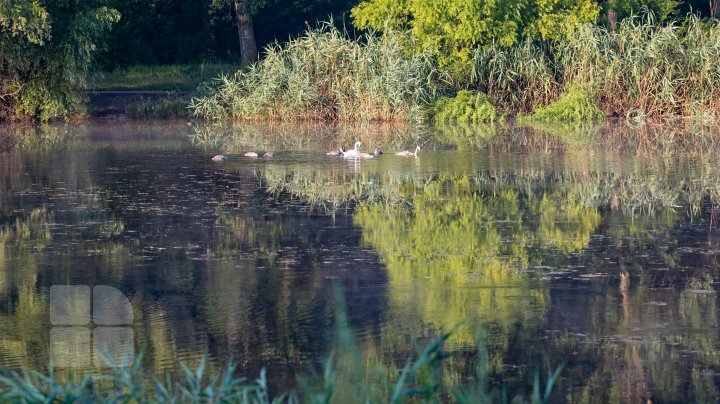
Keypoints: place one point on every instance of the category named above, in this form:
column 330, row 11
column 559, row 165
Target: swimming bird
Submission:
column 339, row 152
column 219, row 157
column 269, row 154
column 353, row 153
column 407, row 153
column 250, row 154
column 377, row 152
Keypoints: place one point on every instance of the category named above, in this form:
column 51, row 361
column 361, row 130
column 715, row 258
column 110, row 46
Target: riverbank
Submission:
column 643, row 70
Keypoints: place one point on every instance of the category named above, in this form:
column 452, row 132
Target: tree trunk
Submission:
column 208, row 32
column 714, row 8
column 246, row 33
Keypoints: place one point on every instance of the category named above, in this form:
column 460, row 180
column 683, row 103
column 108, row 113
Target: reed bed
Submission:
column 644, row 69
column 326, row 75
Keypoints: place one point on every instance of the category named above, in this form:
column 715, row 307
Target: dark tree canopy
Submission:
column 186, row 31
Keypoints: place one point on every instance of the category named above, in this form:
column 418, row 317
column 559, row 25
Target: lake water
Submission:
column 528, row 248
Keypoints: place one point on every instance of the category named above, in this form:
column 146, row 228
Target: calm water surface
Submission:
column 596, row 258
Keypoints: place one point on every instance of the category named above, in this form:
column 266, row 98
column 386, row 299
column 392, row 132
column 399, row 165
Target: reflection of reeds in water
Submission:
column 233, row 138
column 337, row 189
column 594, row 186
column 34, row 228
column 669, row 138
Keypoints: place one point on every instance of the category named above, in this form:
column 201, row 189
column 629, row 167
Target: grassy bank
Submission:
column 166, row 78
column 642, row 70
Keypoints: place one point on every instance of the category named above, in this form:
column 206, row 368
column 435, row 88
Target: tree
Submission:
column 46, row 51
column 243, row 12
column 452, row 29
column 246, row 32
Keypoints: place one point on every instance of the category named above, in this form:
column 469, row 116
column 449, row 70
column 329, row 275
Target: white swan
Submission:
column 353, row 153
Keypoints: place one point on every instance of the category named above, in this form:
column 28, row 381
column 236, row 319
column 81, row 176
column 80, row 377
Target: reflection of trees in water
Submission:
column 681, row 138
column 211, row 263
column 456, row 247
column 458, row 252
column 215, row 261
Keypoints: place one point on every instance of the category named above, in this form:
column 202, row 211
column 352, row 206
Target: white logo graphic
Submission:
column 71, row 345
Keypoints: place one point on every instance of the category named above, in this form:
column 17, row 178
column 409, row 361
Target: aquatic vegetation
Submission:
column 465, row 107
column 657, row 69
column 517, row 78
column 325, row 75
column 643, row 69
column 577, row 105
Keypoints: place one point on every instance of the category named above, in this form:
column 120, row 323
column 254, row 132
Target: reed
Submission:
column 644, row 69
column 326, row 75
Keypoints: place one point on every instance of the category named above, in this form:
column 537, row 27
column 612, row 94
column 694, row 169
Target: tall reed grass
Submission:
column 326, row 75
column 643, row 69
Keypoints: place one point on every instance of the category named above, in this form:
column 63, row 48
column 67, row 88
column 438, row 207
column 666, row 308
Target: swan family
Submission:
column 353, row 153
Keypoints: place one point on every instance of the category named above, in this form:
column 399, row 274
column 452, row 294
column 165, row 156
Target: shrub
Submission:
column 46, row 52
column 577, row 105
column 466, row 107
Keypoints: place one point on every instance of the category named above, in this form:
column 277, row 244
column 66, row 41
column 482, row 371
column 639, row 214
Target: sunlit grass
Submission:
column 164, row 77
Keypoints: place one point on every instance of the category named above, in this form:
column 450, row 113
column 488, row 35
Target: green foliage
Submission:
column 466, row 107
column 326, row 75
column 24, row 19
column 46, row 52
column 576, row 106
column 451, row 30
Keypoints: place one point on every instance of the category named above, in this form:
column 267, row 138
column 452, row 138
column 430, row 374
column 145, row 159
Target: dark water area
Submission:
column 599, row 258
